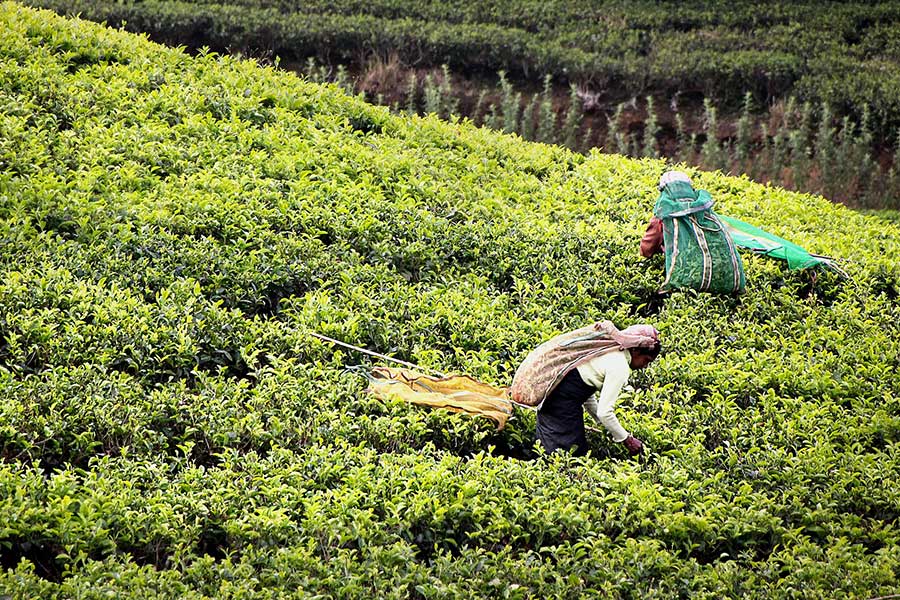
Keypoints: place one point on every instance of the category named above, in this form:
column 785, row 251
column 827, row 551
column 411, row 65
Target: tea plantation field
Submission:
column 845, row 54
column 174, row 227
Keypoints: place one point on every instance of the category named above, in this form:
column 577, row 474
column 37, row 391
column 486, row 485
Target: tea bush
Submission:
column 843, row 53
column 838, row 59
column 174, row 227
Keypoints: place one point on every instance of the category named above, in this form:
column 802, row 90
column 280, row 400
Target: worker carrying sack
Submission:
column 700, row 254
column 549, row 363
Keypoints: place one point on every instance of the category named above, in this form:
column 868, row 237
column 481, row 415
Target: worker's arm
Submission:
column 602, row 405
column 652, row 242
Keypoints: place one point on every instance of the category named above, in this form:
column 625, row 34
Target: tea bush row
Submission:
column 427, row 524
column 794, row 145
column 174, row 227
column 843, row 54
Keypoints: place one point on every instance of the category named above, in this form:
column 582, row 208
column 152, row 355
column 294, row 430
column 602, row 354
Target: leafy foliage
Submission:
column 172, row 229
column 842, row 53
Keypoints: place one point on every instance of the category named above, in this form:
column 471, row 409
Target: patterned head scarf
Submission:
column 673, row 176
column 636, row 336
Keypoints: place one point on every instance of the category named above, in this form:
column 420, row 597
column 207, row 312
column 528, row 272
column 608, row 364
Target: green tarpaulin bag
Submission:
column 762, row 242
column 700, row 254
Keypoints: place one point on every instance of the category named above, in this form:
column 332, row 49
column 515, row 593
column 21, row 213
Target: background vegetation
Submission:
column 799, row 146
column 174, row 226
column 807, row 92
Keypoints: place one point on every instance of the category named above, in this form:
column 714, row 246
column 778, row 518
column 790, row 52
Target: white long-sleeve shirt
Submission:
column 608, row 373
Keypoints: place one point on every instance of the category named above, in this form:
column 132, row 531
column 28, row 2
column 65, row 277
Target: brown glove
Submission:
column 633, row 445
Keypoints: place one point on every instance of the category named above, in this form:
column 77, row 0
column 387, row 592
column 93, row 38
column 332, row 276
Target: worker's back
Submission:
column 700, row 253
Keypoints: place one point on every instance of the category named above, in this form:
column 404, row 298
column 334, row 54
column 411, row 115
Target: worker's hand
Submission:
column 633, row 445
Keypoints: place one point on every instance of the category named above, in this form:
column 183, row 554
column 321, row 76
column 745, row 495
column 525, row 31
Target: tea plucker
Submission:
column 583, row 369
column 699, row 251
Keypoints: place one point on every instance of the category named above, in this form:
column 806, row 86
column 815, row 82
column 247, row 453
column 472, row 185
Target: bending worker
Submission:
column 700, row 253
column 585, row 368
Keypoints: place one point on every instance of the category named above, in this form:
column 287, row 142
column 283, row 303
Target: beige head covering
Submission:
column 673, row 176
column 636, row 336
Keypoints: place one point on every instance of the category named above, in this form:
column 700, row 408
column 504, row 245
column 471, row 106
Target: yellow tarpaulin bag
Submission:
column 458, row 393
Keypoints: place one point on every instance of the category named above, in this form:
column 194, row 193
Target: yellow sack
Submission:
column 458, row 393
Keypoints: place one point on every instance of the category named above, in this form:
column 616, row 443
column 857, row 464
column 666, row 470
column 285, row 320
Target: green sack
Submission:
column 762, row 242
column 700, row 254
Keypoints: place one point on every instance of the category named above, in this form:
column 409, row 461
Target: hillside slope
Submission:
column 843, row 53
column 172, row 229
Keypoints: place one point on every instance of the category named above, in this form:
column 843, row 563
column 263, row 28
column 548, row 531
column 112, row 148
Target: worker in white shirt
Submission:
column 583, row 369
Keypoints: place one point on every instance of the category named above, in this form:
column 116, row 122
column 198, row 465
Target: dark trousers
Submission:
column 560, row 421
